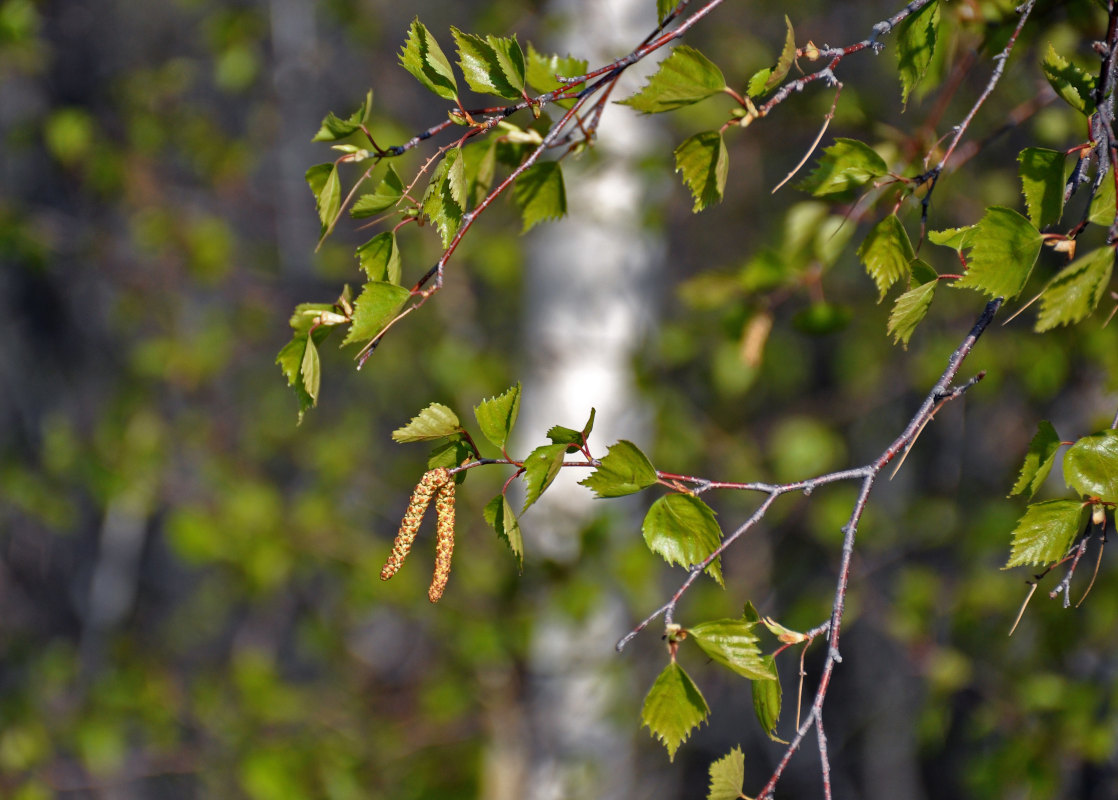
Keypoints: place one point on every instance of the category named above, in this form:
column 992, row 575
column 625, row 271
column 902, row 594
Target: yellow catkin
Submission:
column 409, row 526
column 444, row 544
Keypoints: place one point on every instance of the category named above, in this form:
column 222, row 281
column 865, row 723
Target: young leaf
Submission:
column 540, row 468
column 1046, row 532
column 758, row 81
column 423, row 58
column 380, row 258
column 682, row 529
column 1005, row 247
column 787, row 57
column 673, row 708
column 376, row 306
column 1075, row 292
column 290, row 360
column 311, row 370
column 624, row 470
column 910, row 309
column 731, row 642
column 704, row 162
column 452, row 453
column 441, row 200
column 766, row 701
column 958, row 239
column 683, row 78
column 887, row 253
column 334, row 128
column 539, row 193
column 1039, row 460
column 327, row 188
column 726, row 776
column 844, row 166
column 307, row 315
column 385, row 196
column 1091, row 466
column 1102, row 205
column 664, row 7
column 1073, row 84
column 916, row 43
column 434, row 422
column 559, row 434
column 1042, row 182
column 493, row 65
column 499, row 514
column 480, row 168
column 497, row 415
column 541, row 70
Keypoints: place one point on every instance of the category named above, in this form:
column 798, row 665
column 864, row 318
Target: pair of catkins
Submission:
column 437, row 484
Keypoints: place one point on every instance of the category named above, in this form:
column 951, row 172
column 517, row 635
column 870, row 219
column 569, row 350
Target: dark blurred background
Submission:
column 189, row 594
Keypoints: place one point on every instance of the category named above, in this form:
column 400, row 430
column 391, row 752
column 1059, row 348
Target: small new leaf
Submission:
column 311, row 371
column 1091, row 466
column 731, row 642
column 787, row 57
column 452, row 453
column 327, row 188
column 493, row 65
column 540, row 468
column 290, row 360
column 909, row 310
column 673, row 708
column 497, row 415
column 887, row 254
column 726, row 776
column 542, row 70
column 434, row 422
column 444, row 191
column 539, row 194
column 916, row 43
column 682, row 529
column 1074, row 84
column 334, row 128
column 767, row 696
column 1038, row 461
column 1042, row 182
column 499, row 514
column 1101, row 211
column 624, row 470
column 958, row 239
column 380, row 258
column 844, row 166
column 376, row 306
column 1075, row 292
column 1005, row 248
column 684, row 77
column 705, row 163
column 423, row 58
column 664, row 7
column 1045, row 533
column 385, row 196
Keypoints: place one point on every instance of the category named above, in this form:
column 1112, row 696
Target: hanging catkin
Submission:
column 421, row 498
column 444, row 543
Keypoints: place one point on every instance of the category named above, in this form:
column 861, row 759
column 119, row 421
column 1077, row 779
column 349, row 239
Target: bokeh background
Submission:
column 189, row 602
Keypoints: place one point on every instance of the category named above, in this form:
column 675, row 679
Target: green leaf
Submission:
column 497, row 415
column 334, row 128
column 758, row 82
column 749, row 613
column 664, row 7
column 766, row 701
column 1039, row 460
column 787, row 56
column 450, row 454
column 311, row 370
column 385, row 196
column 1005, row 247
column 1046, row 532
column 887, row 254
column 1091, row 466
column 1042, row 182
column 1074, row 84
column 683, row 78
column 673, row 708
column 499, row 514
column 434, row 422
column 1075, row 292
column 958, row 239
column 704, row 162
column 726, row 776
column 380, row 258
column 732, row 644
column 444, row 191
column 624, row 470
column 327, row 188
column 916, row 43
column 1102, row 205
column 493, row 65
column 910, row 309
column 376, row 306
column 539, row 193
column 560, row 434
column 480, row 169
column 540, row 468
column 307, row 313
column 844, row 166
column 423, row 58
column 682, row 529
column 290, row 360
column 542, row 70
